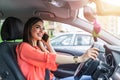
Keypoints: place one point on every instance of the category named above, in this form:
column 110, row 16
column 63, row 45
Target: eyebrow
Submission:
column 39, row 25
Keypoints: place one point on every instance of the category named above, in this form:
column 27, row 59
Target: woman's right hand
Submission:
column 90, row 53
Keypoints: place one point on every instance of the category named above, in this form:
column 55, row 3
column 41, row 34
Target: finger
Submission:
column 94, row 55
column 42, row 40
column 94, row 52
column 96, row 49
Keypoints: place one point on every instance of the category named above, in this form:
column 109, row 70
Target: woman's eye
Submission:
column 37, row 27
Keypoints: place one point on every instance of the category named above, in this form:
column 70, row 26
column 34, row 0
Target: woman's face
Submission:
column 37, row 31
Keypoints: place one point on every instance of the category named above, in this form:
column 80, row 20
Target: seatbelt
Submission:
column 47, row 74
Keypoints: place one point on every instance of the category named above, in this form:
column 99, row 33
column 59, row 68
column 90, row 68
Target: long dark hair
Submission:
column 27, row 29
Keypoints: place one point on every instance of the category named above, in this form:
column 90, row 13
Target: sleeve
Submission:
column 51, row 65
column 36, row 57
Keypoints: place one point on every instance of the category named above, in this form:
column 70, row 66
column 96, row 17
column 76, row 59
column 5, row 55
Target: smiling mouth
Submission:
column 39, row 35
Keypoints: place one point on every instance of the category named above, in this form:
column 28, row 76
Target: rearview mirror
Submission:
column 89, row 13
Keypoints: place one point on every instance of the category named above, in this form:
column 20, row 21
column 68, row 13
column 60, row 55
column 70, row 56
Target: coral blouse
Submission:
column 33, row 61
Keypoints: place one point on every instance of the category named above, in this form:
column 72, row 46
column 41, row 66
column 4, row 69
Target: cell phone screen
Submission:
column 45, row 37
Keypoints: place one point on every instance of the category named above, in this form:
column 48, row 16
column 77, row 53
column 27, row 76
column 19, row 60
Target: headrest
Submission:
column 12, row 29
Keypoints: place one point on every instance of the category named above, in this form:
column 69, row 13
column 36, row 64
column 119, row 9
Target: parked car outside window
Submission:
column 75, row 40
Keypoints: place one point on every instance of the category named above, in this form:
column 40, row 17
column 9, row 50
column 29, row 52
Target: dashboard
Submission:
column 112, row 54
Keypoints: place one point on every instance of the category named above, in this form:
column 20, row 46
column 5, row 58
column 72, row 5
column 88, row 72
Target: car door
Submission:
column 66, row 70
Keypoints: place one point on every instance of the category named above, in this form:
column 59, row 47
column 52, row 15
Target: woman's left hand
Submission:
column 90, row 53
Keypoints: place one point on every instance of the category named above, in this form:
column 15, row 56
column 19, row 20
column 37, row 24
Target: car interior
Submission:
column 16, row 12
column 11, row 30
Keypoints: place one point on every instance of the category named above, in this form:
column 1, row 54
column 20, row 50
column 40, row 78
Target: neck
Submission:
column 34, row 43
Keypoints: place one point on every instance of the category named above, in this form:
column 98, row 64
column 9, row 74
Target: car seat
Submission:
column 12, row 29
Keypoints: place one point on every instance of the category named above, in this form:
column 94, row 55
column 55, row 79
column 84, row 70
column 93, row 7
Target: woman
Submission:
column 33, row 58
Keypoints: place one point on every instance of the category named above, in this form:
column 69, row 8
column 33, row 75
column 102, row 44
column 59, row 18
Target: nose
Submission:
column 41, row 29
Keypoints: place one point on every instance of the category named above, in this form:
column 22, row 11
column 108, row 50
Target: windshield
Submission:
column 110, row 23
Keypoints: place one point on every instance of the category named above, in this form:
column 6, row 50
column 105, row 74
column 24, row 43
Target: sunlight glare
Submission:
column 113, row 2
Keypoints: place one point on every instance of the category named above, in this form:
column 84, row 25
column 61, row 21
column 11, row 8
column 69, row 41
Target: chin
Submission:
column 40, row 39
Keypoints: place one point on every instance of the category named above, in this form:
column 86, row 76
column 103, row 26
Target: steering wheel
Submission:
column 86, row 68
column 95, row 68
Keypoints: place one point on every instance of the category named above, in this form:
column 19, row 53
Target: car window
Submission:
column 82, row 40
column 63, row 40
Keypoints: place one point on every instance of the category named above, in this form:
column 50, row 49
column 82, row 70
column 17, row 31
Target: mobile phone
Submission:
column 45, row 37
